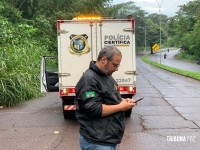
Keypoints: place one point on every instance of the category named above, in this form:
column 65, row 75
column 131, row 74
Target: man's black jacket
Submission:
column 94, row 89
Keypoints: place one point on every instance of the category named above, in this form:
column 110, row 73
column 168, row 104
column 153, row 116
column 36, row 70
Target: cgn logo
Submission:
column 79, row 44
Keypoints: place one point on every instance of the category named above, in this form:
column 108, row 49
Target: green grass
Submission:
column 20, row 57
column 193, row 75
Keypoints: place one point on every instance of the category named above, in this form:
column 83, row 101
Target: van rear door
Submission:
column 120, row 33
column 49, row 74
column 75, row 50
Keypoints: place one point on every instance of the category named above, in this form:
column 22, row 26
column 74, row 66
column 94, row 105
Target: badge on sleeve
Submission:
column 90, row 94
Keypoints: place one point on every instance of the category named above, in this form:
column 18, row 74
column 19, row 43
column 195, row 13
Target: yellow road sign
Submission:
column 156, row 47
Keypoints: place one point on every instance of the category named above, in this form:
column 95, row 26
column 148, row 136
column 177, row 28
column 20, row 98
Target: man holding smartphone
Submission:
column 100, row 107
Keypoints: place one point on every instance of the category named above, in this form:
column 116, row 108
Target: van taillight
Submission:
column 127, row 89
column 67, row 92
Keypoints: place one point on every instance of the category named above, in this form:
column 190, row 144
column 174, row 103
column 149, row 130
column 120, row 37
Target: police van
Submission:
column 79, row 42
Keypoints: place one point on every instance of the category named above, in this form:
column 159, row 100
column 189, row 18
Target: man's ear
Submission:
column 104, row 60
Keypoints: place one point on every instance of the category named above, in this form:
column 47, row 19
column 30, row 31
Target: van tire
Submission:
column 68, row 114
column 128, row 112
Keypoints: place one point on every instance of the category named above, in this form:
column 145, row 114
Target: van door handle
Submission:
column 64, row 74
column 130, row 72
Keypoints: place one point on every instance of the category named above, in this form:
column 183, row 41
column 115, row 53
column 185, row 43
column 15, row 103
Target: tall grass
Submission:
column 185, row 56
column 20, row 54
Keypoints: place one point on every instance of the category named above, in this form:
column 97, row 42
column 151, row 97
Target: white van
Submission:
column 79, row 42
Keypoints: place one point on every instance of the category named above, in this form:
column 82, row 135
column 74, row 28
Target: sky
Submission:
column 167, row 7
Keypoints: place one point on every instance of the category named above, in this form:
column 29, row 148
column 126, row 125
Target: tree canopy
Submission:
column 28, row 31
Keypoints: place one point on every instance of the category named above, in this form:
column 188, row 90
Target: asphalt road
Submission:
column 171, row 61
column 166, row 119
column 37, row 125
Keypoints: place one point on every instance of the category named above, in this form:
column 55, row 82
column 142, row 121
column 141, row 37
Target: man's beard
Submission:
column 106, row 70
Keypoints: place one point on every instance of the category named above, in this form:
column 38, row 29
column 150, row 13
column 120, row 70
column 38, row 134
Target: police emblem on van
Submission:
column 79, row 44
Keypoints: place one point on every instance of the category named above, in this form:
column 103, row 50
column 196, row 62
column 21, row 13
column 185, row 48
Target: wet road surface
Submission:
column 167, row 119
column 171, row 61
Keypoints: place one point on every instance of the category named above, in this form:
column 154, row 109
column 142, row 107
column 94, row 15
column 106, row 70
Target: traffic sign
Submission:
column 156, row 47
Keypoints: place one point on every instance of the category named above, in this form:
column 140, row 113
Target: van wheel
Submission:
column 128, row 112
column 68, row 114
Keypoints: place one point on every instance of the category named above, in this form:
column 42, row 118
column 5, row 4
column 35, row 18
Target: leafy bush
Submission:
column 10, row 12
column 185, row 56
column 20, row 54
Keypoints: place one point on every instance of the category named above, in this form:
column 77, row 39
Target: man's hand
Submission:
column 127, row 104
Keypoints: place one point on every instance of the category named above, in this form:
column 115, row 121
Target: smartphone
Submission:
column 139, row 99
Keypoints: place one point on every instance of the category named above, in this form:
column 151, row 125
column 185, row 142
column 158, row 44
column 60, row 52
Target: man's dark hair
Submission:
column 109, row 52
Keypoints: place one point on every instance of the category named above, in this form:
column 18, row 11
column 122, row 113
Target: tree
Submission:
column 186, row 27
column 123, row 10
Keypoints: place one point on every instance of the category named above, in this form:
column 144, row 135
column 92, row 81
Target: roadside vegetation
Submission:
column 28, row 31
column 194, row 75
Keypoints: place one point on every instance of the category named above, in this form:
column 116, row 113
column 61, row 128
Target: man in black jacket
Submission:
column 100, row 108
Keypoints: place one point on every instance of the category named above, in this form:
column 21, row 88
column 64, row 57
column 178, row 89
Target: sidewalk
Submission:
column 172, row 62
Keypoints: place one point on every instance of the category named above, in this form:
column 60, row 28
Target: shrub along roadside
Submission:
column 190, row 74
column 20, row 53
